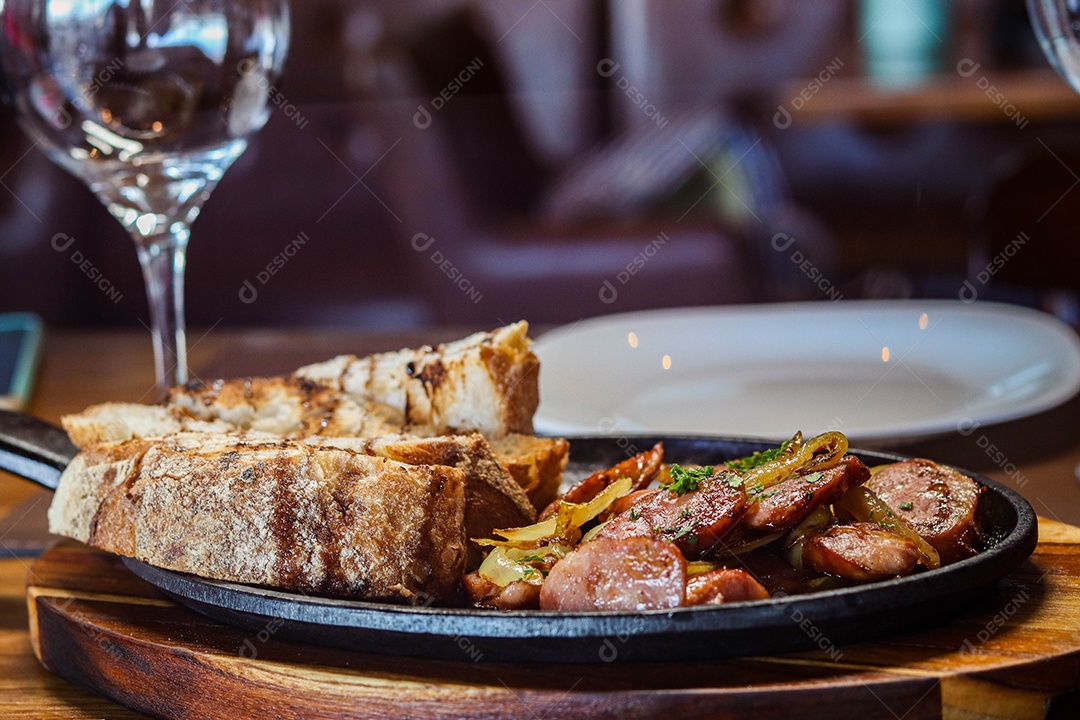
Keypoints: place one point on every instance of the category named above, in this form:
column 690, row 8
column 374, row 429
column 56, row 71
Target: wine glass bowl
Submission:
column 148, row 102
column 1057, row 26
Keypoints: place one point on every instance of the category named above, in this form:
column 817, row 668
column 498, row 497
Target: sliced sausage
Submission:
column 724, row 585
column 935, row 501
column 515, row 596
column 626, row 502
column 860, row 551
column 634, row 573
column 697, row 522
column 791, row 501
column 641, row 469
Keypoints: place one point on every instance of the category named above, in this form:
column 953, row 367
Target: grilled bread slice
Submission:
column 536, row 464
column 493, row 499
column 288, row 407
column 114, row 422
column 254, row 508
column 485, row 382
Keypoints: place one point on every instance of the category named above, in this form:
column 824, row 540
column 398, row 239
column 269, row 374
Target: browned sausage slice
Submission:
column 641, row 469
column 626, row 502
column 724, row 585
column 608, row 574
column 860, row 551
column 791, row 501
column 697, row 522
column 515, row 596
column 935, row 501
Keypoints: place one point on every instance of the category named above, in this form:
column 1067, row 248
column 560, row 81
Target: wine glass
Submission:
column 148, row 102
column 1057, row 25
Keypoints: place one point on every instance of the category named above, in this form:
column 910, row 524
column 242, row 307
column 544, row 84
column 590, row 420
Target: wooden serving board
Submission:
column 1016, row 654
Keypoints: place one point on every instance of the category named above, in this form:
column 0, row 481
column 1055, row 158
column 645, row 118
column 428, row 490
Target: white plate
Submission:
column 879, row 371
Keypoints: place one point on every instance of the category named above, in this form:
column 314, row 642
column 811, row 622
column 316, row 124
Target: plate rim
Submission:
column 1055, row 396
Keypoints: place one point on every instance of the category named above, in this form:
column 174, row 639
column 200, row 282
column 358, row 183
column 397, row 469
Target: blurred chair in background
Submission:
column 679, row 210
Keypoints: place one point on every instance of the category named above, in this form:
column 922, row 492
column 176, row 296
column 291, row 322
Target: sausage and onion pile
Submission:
column 645, row 535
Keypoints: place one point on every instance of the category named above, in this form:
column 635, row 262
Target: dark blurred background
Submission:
column 453, row 161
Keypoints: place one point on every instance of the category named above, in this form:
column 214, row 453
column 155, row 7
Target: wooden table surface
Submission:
column 1037, row 456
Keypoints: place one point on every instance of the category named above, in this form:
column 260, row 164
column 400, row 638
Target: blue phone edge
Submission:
column 22, row 382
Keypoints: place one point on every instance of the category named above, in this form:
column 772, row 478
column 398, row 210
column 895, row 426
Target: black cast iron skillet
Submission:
column 824, row 620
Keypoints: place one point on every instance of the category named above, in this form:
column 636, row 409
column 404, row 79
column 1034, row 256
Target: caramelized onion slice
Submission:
column 561, row 526
column 700, row 567
column 817, row 520
column 818, row 453
column 864, row 505
column 793, row 546
column 594, row 531
column 505, row 565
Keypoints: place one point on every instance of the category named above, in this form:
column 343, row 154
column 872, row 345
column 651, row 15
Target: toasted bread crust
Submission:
column 287, row 406
column 536, row 464
column 493, row 499
column 486, row 382
column 114, row 422
column 257, row 509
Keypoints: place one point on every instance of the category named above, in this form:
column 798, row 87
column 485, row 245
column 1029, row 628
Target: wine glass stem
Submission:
column 162, row 258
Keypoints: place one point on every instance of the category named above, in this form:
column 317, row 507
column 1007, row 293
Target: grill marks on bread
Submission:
column 279, row 513
column 485, row 382
column 289, row 406
column 493, row 498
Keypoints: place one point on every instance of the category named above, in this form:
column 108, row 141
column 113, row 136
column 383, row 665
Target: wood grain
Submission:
column 1016, row 654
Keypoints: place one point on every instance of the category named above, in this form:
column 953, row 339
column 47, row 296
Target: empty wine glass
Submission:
column 148, row 102
column 1057, row 25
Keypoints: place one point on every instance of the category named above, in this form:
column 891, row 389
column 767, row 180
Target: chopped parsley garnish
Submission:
column 813, row 477
column 679, row 532
column 685, row 513
column 756, row 492
column 906, row 506
column 759, row 458
column 759, row 495
column 684, row 532
column 733, row 480
column 809, row 495
column 684, row 480
column 634, row 514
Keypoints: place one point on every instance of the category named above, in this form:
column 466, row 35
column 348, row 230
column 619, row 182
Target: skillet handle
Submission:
column 34, row 449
